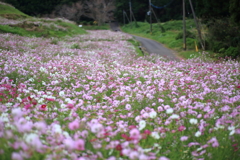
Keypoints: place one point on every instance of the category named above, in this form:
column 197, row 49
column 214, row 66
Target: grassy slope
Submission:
column 172, row 29
column 11, row 12
column 25, row 25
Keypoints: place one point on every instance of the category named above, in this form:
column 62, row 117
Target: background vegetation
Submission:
column 221, row 17
column 24, row 25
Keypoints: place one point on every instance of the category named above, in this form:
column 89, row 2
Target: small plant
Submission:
column 188, row 35
column 75, row 46
column 54, row 41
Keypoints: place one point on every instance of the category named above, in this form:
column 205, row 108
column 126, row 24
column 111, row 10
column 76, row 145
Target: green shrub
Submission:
column 224, row 38
column 217, row 46
column 75, row 46
column 188, row 35
column 191, row 43
column 90, row 23
column 84, row 23
column 233, row 52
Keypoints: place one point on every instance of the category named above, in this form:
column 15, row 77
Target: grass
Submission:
column 96, row 27
column 57, row 30
column 137, row 47
column 166, row 34
column 10, row 12
column 24, row 25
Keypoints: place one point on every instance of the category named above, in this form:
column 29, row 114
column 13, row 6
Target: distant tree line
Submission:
column 172, row 9
column 37, row 7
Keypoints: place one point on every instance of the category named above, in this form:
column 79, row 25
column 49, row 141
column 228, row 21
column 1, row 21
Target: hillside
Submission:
column 16, row 22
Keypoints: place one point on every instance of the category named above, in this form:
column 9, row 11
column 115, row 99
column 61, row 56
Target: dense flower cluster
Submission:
column 91, row 97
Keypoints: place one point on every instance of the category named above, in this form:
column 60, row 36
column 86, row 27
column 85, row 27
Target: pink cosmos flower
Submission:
column 69, row 143
column 27, row 106
column 43, row 107
column 79, row 144
column 163, row 158
column 40, row 126
column 184, row 138
column 193, row 144
column 73, row 125
column 70, row 105
column 181, row 128
column 214, row 142
column 17, row 156
column 135, row 134
column 111, row 158
column 133, row 155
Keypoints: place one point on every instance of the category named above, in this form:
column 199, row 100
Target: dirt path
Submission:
column 151, row 46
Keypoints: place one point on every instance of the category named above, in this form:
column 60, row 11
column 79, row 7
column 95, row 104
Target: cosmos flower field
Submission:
column 91, row 97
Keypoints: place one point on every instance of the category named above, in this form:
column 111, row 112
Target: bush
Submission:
column 90, row 23
column 224, row 38
column 75, row 46
column 217, row 46
column 232, row 52
column 84, row 22
column 188, row 35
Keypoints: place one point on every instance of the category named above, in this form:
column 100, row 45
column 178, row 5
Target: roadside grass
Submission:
column 168, row 33
column 137, row 47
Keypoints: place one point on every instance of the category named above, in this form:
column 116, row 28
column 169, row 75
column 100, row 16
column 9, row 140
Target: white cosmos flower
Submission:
column 142, row 124
column 61, row 93
column 155, row 135
column 169, row 111
column 19, row 99
column 193, row 121
column 31, row 79
column 232, row 132
column 232, row 129
column 198, row 134
column 152, row 114
column 174, row 116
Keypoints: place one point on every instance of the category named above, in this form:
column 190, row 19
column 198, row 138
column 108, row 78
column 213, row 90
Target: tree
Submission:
column 72, row 11
column 99, row 10
column 212, row 8
column 234, row 10
column 37, row 7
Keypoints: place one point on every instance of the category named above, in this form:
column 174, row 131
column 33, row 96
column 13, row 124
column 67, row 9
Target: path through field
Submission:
column 151, row 46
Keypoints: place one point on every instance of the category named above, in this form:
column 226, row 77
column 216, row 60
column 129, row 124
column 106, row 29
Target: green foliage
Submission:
column 14, row 30
column 96, row 27
column 188, row 35
column 234, row 10
column 75, row 46
column 137, row 46
column 44, row 31
column 211, row 9
column 178, row 24
column 11, row 12
column 224, row 38
column 35, row 8
column 230, row 52
column 46, row 28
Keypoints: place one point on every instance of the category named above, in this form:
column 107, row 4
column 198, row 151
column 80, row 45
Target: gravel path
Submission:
column 151, row 46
